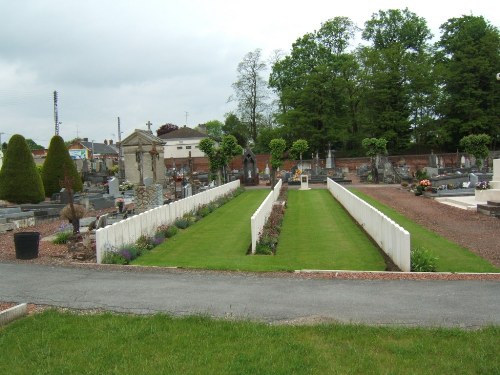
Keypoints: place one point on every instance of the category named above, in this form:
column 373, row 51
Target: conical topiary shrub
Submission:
column 58, row 160
column 20, row 181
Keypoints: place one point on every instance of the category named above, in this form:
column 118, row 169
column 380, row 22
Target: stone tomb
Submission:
column 492, row 194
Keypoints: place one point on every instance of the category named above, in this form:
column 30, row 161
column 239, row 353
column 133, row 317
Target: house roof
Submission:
column 183, row 133
column 100, row 148
column 146, row 136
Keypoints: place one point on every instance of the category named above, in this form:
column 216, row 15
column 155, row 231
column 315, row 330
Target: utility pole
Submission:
column 120, row 153
column 187, row 113
column 56, row 115
column 1, row 140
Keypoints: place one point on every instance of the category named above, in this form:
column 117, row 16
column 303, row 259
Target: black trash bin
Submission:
column 26, row 244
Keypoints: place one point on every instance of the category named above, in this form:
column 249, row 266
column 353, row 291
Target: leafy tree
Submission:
column 20, row 181
column 477, row 145
column 468, row 60
column 219, row 157
column 4, row 146
column 399, row 43
column 298, row 148
column 56, row 165
column 233, row 126
column 166, row 128
column 278, row 147
column 375, row 147
column 32, row 145
column 214, row 129
column 250, row 90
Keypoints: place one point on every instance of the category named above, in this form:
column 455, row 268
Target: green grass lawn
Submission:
column 317, row 234
column 64, row 343
column 451, row 257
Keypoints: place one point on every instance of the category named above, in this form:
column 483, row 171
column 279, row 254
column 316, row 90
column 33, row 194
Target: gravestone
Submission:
column 250, row 176
column 304, row 182
column 433, row 160
column 467, row 163
column 114, row 187
column 148, row 181
column 473, row 180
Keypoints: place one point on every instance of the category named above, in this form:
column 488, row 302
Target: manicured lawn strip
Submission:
column 64, row 343
column 218, row 241
column 452, row 257
column 317, row 233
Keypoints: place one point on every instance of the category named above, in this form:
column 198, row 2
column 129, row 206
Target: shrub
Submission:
column 62, row 237
column 110, row 257
column 171, row 231
column 57, row 163
column 203, row 211
column 422, row 260
column 144, row 243
column 20, row 181
column 80, row 212
column 182, row 223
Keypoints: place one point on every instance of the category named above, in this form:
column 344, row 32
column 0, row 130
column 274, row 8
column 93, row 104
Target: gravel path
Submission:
column 477, row 232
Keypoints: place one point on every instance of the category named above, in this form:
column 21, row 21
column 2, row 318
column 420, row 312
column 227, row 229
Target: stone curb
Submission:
column 13, row 313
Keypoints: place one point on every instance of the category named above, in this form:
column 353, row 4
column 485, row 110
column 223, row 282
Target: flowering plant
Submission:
column 425, row 183
column 483, row 185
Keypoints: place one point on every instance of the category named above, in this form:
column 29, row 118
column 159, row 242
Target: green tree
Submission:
column 477, row 145
column 235, row 127
column 32, row 145
column 278, row 147
column 298, row 148
column 251, row 91
column 57, row 163
column 399, row 43
column 214, row 129
column 375, row 147
column 219, row 157
column 468, row 61
column 20, row 181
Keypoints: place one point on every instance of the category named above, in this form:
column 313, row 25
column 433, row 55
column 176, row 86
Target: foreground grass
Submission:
column 319, row 234
column 451, row 257
column 64, row 343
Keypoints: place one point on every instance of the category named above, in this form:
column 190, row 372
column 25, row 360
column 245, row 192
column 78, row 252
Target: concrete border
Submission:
column 15, row 312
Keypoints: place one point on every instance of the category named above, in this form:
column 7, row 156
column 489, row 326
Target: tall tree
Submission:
column 468, row 60
column 233, row 126
column 251, row 91
column 397, row 38
column 214, row 129
column 20, row 181
column 278, row 147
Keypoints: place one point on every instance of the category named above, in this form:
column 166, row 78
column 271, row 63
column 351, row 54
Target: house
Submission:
column 180, row 145
column 143, row 157
column 85, row 149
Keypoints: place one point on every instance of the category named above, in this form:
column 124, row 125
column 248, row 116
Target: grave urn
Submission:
column 26, row 244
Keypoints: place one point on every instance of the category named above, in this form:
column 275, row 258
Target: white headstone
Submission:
column 473, row 180
column 462, row 161
column 304, row 182
column 266, row 171
column 148, row 181
column 114, row 187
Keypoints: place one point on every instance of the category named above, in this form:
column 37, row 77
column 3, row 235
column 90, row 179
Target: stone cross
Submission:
column 148, row 124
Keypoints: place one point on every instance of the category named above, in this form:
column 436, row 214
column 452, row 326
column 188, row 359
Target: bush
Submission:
column 110, row 257
column 203, row 211
column 182, row 223
column 80, row 212
column 57, row 163
column 20, row 181
column 422, row 260
column 144, row 243
column 62, row 237
column 167, row 230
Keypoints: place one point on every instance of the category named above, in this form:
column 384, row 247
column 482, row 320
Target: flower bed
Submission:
column 270, row 233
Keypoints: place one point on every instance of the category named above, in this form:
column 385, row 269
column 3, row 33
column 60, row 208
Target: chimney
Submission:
column 105, row 141
column 110, row 142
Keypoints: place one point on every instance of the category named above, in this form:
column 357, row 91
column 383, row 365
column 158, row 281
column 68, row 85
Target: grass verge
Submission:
column 451, row 256
column 66, row 343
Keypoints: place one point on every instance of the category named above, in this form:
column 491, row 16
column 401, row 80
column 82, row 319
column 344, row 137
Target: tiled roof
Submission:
column 100, row 148
column 183, row 133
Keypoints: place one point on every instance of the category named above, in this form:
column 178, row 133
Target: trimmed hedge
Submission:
column 20, row 181
column 58, row 160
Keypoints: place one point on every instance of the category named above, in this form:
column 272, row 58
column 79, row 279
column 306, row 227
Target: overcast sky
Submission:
column 154, row 60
